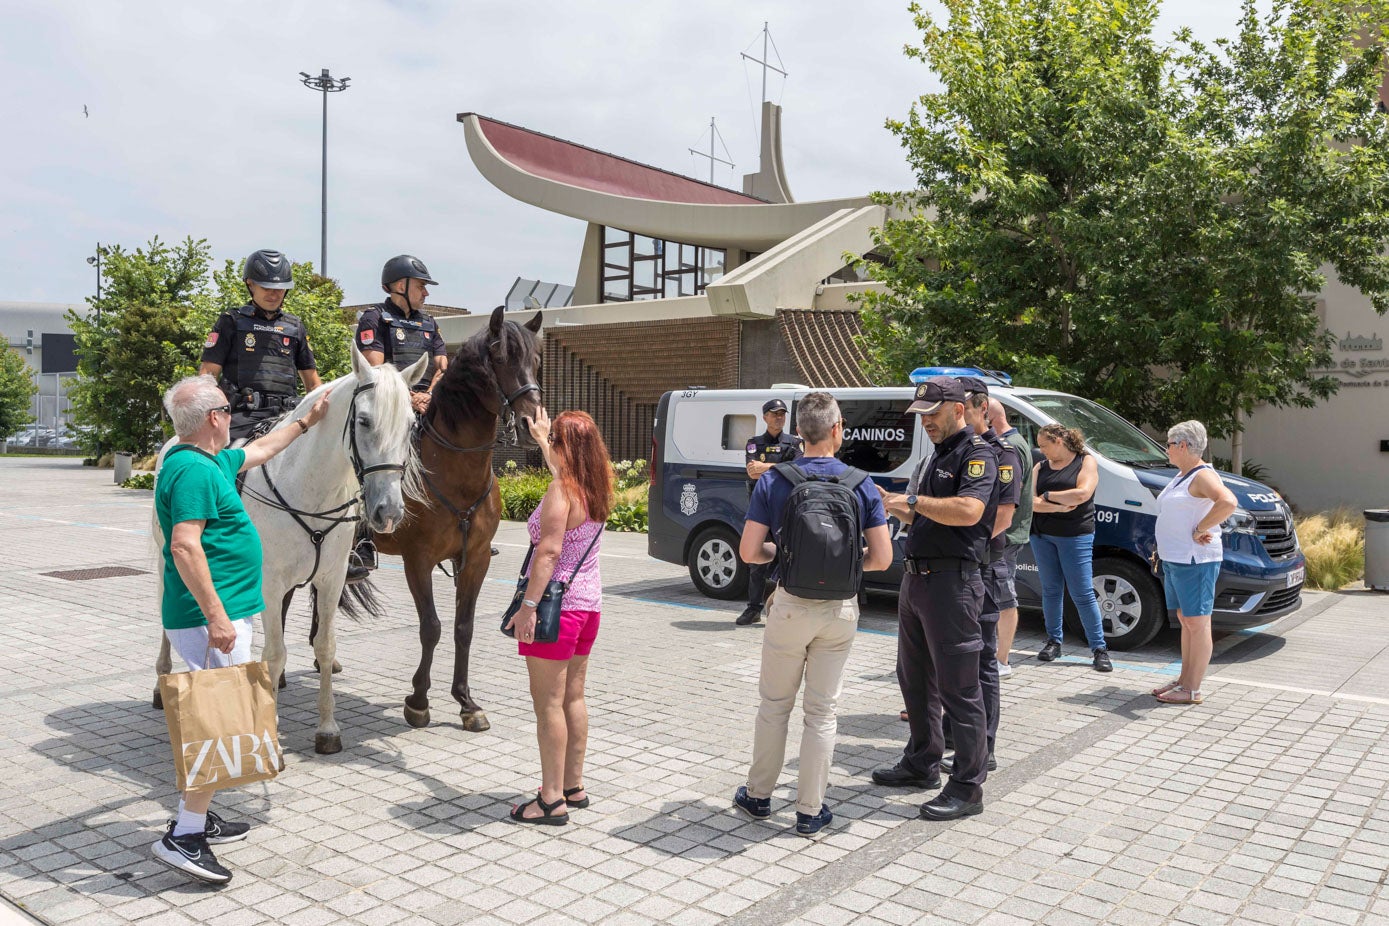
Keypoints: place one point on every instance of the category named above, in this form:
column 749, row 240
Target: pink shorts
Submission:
column 577, row 631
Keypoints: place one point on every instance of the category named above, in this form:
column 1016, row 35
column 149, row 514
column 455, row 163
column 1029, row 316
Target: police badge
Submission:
column 250, row 339
column 1005, row 474
column 400, row 334
column 974, row 469
column 689, row 501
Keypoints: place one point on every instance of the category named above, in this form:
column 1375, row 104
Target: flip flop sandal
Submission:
column 580, row 804
column 1163, row 689
column 1180, row 695
column 549, row 818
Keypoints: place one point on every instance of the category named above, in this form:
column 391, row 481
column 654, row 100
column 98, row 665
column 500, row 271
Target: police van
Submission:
column 699, row 494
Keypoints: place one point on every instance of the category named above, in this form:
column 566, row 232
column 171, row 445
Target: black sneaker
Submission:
column 757, row 807
column 1050, row 652
column 191, row 855
column 219, row 831
column 751, row 615
column 899, row 776
column 1102, row 663
column 810, row 825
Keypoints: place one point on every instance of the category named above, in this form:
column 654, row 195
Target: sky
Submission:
column 196, row 122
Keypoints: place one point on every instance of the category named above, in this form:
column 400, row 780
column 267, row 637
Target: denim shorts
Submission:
column 1190, row 587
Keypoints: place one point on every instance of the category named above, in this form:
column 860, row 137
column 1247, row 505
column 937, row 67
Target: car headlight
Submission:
column 1240, row 522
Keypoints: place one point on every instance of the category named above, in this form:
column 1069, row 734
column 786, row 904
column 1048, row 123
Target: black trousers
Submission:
column 938, row 658
column 244, row 422
column 988, row 656
column 757, row 584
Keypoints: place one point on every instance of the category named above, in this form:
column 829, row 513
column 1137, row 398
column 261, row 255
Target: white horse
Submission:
column 305, row 501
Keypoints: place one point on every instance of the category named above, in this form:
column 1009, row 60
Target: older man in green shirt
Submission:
column 212, row 576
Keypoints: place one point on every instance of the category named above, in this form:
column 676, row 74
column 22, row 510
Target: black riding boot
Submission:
column 362, row 560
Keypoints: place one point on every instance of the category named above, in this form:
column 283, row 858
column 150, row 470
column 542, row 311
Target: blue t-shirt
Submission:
column 770, row 494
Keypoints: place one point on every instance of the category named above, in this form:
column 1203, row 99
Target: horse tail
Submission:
column 361, row 600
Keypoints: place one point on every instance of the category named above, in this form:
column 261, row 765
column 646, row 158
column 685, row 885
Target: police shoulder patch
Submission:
column 974, row 469
column 752, row 446
column 211, row 340
column 1005, row 473
column 367, row 335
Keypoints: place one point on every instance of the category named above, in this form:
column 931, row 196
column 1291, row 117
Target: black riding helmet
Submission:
column 402, row 268
column 267, row 268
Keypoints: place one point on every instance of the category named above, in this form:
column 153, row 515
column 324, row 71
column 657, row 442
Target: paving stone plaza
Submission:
column 1267, row 804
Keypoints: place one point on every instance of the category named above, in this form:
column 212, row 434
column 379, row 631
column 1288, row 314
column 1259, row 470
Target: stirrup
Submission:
column 364, row 555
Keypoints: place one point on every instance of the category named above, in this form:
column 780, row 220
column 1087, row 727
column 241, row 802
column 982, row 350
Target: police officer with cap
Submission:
column 256, row 352
column 399, row 331
column 995, row 575
column 939, row 639
column 764, row 451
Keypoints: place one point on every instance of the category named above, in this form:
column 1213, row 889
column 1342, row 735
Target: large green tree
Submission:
column 135, row 340
column 17, row 388
column 1138, row 221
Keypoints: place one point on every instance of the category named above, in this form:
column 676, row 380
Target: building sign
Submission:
column 1357, row 370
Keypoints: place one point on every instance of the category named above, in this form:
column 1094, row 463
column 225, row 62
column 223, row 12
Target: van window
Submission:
column 738, row 430
column 878, row 433
column 1105, row 431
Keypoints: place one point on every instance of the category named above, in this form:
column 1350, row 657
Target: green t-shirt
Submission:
column 193, row 485
column 1022, row 518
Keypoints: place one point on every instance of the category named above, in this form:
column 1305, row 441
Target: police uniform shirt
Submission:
column 375, row 332
column 1009, row 483
column 225, row 347
column 964, row 466
column 767, row 449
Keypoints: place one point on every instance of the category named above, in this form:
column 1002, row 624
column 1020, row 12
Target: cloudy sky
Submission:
column 197, row 124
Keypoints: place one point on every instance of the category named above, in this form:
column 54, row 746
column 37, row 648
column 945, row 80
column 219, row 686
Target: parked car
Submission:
column 699, row 493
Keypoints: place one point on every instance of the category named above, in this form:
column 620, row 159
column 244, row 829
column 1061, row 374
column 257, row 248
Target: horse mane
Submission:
column 467, row 387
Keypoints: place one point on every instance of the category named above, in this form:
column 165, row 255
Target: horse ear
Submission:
column 496, row 323
column 360, row 368
column 534, row 324
column 414, row 371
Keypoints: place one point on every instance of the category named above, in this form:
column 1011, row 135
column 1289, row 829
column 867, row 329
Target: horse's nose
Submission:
column 386, row 513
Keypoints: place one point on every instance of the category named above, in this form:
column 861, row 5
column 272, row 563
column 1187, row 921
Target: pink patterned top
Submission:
column 585, row 591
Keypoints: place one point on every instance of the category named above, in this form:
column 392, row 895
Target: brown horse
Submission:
column 493, row 376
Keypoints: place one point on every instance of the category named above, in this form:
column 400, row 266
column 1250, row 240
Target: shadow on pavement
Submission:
column 725, row 624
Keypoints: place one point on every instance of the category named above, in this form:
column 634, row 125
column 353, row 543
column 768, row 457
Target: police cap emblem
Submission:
column 1005, row 474
column 974, row 469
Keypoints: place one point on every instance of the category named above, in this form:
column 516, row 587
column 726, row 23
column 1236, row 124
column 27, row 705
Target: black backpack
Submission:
column 820, row 545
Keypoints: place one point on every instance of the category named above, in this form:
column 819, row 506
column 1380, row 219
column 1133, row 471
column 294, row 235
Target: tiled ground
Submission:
column 1266, row 804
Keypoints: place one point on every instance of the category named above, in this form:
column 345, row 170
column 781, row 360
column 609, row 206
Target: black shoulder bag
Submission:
column 551, row 603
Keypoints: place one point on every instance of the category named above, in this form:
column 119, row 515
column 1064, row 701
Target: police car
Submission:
column 698, row 499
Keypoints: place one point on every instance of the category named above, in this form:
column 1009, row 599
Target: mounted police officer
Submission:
column 256, row 352
column 938, row 611
column 764, row 451
column 399, row 330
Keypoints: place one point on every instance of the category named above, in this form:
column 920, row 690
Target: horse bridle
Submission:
column 349, row 431
column 506, row 414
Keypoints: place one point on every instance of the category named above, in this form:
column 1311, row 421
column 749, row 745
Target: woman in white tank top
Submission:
column 1190, row 511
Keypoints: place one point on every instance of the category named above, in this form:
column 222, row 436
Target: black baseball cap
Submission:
column 973, row 385
column 773, row 405
column 934, row 391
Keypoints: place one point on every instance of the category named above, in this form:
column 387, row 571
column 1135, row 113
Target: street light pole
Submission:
column 325, row 83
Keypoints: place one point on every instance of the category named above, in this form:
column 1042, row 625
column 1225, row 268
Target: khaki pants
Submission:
column 811, row 640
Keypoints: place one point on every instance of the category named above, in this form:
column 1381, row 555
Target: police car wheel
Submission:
column 1131, row 604
column 714, row 565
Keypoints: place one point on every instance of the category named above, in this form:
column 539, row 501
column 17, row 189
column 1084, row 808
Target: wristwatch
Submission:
column 911, row 502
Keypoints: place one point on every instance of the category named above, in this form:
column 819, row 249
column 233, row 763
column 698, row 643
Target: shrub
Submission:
column 522, row 491
column 139, row 481
column 629, row 518
column 1334, row 544
column 630, row 473
column 1251, row 470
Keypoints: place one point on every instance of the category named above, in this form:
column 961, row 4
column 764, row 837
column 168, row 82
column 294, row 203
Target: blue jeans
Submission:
column 1064, row 564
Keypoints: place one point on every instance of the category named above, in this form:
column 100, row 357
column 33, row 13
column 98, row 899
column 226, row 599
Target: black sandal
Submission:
column 549, row 817
column 580, row 805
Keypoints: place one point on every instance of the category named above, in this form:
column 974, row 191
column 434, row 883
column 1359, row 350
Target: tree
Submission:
column 135, row 342
column 1014, row 251
column 1283, row 172
column 16, row 390
column 317, row 300
column 1138, row 222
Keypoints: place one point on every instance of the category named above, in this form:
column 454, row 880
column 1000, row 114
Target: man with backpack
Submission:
column 813, row 517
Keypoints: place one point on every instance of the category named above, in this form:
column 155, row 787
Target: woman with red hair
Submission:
column 566, row 532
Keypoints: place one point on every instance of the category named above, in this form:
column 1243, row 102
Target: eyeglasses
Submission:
column 220, row 408
column 1174, row 443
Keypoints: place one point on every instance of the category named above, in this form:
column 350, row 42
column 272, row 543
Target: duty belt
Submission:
column 925, row 565
column 252, row 401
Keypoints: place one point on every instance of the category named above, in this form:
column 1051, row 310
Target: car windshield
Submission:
column 1105, row 431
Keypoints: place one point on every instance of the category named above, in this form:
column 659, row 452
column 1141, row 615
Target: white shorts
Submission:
column 191, row 645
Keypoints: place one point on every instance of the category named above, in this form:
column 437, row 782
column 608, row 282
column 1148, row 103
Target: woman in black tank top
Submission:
column 1063, row 538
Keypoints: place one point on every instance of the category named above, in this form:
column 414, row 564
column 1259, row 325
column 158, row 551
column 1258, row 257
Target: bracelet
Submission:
column 303, row 428
column 530, row 604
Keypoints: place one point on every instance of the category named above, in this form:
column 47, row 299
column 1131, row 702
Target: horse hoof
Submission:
column 283, row 684
column 416, row 719
column 475, row 721
column 158, row 700
column 337, row 667
column 325, row 744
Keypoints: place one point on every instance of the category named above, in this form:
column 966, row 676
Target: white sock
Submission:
column 189, row 822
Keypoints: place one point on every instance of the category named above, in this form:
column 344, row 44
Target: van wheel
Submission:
column 1131, row 604
column 715, row 567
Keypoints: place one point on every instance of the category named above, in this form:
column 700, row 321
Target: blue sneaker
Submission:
column 757, row 807
column 809, row 826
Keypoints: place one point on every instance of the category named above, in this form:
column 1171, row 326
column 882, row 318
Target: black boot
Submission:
column 361, row 561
